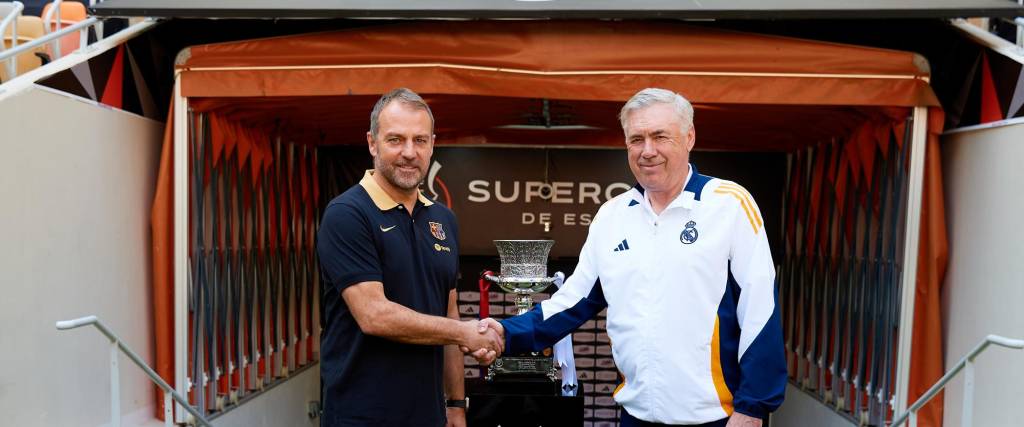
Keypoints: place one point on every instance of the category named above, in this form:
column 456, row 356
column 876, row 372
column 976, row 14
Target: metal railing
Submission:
column 10, row 56
column 12, row 20
column 965, row 364
column 117, row 345
column 83, row 26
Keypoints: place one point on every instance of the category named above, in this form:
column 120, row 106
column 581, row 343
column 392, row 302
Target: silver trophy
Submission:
column 524, row 272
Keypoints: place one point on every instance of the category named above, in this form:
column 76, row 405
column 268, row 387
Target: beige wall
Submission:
column 801, row 410
column 76, row 181
column 984, row 288
column 285, row 404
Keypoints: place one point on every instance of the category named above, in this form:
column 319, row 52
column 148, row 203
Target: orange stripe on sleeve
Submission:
column 724, row 395
column 621, row 385
column 743, row 203
column 747, row 198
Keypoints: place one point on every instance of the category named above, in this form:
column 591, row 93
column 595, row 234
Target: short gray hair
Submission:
column 647, row 97
column 406, row 97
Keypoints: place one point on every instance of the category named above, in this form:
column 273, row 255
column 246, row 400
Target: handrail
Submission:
column 965, row 362
column 117, row 344
column 12, row 20
column 46, row 25
column 11, row 17
column 47, row 38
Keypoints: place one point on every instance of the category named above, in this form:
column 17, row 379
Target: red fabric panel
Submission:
column 865, row 142
column 927, row 363
column 851, row 152
column 795, row 188
column 273, row 195
column 229, row 141
column 820, row 159
column 899, row 128
column 991, row 110
column 161, row 218
column 842, row 180
column 316, row 179
column 304, row 174
column 882, row 133
column 825, row 234
column 115, row 82
column 244, row 145
column 257, row 154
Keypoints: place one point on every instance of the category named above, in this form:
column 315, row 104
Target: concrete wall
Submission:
column 76, row 182
column 984, row 287
column 801, row 409
column 285, row 404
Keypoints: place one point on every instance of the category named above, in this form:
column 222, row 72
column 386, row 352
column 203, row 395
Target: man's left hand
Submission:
column 739, row 420
column 456, row 417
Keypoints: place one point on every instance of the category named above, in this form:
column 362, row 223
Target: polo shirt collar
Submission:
column 380, row 197
column 685, row 199
column 689, row 194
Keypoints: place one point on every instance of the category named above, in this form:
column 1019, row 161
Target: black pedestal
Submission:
column 521, row 403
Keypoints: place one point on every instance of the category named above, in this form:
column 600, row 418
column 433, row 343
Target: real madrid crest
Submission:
column 437, row 230
column 689, row 234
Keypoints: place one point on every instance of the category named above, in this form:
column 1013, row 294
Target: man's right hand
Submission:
column 483, row 343
column 488, row 327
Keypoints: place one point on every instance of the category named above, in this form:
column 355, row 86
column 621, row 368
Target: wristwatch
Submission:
column 457, row 403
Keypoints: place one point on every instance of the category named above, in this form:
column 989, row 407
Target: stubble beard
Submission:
column 398, row 179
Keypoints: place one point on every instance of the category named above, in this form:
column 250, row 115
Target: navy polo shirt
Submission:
column 366, row 236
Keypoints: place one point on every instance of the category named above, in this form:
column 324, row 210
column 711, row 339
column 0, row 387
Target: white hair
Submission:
column 647, row 97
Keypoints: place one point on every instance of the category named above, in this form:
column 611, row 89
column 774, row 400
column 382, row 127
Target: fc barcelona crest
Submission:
column 437, row 230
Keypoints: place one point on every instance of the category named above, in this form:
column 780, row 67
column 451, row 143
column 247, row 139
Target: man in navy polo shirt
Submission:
column 390, row 351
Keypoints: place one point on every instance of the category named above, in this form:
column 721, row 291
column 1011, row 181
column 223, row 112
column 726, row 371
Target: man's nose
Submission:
column 649, row 150
column 409, row 149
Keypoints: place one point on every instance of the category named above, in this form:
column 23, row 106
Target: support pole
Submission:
column 168, row 410
column 908, row 281
column 968, row 410
column 115, row 386
column 181, row 272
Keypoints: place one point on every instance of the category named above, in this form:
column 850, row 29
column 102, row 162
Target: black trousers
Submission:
column 631, row 421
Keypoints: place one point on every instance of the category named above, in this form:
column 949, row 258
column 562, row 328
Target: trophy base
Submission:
column 523, row 367
column 512, row 402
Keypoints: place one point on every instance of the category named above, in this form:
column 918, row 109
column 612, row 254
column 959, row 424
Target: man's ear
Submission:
column 370, row 144
column 691, row 138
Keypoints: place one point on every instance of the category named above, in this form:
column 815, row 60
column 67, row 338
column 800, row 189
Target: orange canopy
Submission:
column 752, row 92
column 579, row 60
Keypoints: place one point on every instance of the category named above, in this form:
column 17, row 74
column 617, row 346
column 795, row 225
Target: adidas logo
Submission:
column 624, row 246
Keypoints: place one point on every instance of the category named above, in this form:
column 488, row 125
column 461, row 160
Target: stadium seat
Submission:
column 71, row 13
column 29, row 28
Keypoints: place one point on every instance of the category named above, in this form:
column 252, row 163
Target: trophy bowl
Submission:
column 524, row 269
column 524, row 272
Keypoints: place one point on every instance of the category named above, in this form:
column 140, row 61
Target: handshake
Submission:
column 482, row 339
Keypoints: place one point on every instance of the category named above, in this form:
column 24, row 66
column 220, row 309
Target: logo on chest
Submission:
column 437, row 230
column 689, row 234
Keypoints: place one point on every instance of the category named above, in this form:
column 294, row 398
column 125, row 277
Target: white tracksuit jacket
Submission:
column 690, row 293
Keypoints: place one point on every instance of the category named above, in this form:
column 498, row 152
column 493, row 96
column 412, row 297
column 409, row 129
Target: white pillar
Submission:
column 908, row 281
column 180, row 245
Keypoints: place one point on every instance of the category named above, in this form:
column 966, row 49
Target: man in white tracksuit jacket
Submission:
column 682, row 263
